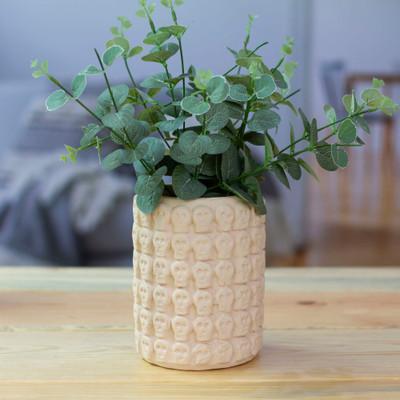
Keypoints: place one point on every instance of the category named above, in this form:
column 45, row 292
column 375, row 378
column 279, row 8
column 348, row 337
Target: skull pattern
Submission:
column 202, row 218
column 182, row 301
column 161, row 243
column 203, row 302
column 224, row 326
column 224, row 216
column 201, row 353
column 203, row 328
column 181, row 246
column 161, row 271
column 162, row 217
column 161, row 325
column 181, row 219
column 181, row 327
column 181, row 273
column 224, row 245
column 203, row 248
column 161, row 298
column 202, row 273
column 161, row 349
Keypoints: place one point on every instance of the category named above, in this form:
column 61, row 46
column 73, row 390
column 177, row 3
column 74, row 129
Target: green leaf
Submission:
column 240, row 192
column 324, row 157
column 179, row 156
column 155, row 81
column 171, row 125
column 119, row 41
column 348, row 101
column 147, row 184
column 306, row 122
column 155, row 150
column 254, row 138
column 160, row 56
column 377, row 83
column 134, row 51
column 216, row 118
column 287, row 47
column 157, row 39
column 194, row 105
column 175, row 30
column 339, row 156
column 57, row 100
column 118, row 158
column 120, row 120
column 217, row 89
column 292, row 166
column 192, row 143
column 89, row 133
column 148, row 204
column 179, row 2
column 202, row 78
column 347, row 132
column 104, row 101
column 92, row 70
column 125, row 23
column 230, row 164
column 152, row 115
column 279, row 79
column 388, row 106
column 254, row 188
column 185, row 186
column 239, row 92
column 115, row 31
column 313, row 132
column 141, row 13
column 264, row 86
column 330, row 113
column 166, row 3
column 292, row 140
column 268, row 151
column 111, row 54
column 307, row 167
column 280, row 174
column 79, row 84
column 263, row 120
column 218, row 144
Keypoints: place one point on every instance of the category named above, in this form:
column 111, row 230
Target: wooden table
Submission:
column 329, row 334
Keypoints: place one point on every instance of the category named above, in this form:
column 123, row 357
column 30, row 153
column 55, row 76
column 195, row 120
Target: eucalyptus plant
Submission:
column 202, row 137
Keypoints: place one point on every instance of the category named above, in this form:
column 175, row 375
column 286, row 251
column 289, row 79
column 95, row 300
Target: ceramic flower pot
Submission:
column 199, row 283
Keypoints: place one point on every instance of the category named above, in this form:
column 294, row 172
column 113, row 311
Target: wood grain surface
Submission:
column 328, row 334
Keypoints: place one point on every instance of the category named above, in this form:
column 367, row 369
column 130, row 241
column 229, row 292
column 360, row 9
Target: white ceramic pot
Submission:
column 199, row 283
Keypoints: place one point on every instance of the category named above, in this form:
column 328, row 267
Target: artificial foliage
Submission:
column 199, row 143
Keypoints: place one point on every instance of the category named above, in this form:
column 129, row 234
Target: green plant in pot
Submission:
column 199, row 212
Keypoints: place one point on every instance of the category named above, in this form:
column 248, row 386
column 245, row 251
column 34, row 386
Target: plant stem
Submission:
column 286, row 98
column 245, row 120
column 106, row 79
column 237, row 66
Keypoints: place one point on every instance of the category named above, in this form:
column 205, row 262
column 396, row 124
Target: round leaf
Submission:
column 195, row 105
column 56, row 100
column 111, row 54
column 218, row 144
column 185, row 186
column 179, row 156
column 162, row 55
column 119, row 41
column 155, row 150
column 147, row 184
column 239, row 93
column 192, row 143
column 157, row 38
column 92, row 70
column 347, row 132
column 264, row 86
column 264, row 120
column 339, row 156
column 324, row 158
column 217, row 89
column 148, row 204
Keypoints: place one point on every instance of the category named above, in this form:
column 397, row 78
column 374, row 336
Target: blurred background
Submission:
column 57, row 214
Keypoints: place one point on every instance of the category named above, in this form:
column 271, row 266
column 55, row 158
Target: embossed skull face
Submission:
column 224, row 299
column 224, row 216
column 242, row 348
column 242, row 247
column 242, row 323
column 162, row 217
column 146, row 346
column 145, row 239
column 203, row 302
column 242, row 270
column 181, row 219
column 223, row 352
column 203, row 218
column 258, row 239
column 255, row 343
column 224, row 325
column 145, row 321
column 257, row 266
column 181, row 273
column 201, row 353
column 161, row 243
column 224, row 245
column 256, row 318
column 180, row 353
column 145, row 266
column 202, row 275
column 161, row 270
column 181, row 246
column 203, row 328
column 242, row 216
column 145, row 292
column 182, row 301
column 161, row 324
column 181, row 327
column 202, row 247
column 161, row 298
column 224, row 271
column 242, row 297
column 161, row 349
